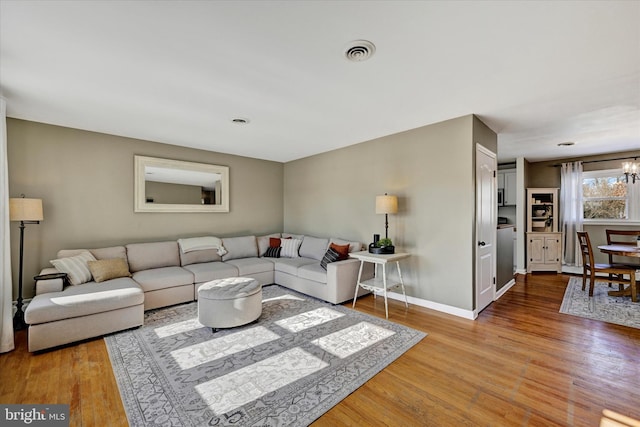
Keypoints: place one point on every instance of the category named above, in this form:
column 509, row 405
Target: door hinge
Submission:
column 494, row 174
column 494, row 280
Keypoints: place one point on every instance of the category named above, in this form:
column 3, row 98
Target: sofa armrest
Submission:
column 49, row 285
column 342, row 277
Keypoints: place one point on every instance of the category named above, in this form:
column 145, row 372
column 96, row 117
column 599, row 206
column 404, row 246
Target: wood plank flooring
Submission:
column 521, row 363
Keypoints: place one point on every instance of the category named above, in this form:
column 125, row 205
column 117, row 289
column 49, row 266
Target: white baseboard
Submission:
column 467, row 314
column 504, row 289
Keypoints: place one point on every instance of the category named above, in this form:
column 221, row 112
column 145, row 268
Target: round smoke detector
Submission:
column 360, row 50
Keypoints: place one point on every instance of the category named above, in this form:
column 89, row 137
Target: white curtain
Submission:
column 6, row 285
column 571, row 213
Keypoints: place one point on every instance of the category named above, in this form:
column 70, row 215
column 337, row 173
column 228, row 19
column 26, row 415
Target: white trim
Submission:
column 504, row 289
column 459, row 312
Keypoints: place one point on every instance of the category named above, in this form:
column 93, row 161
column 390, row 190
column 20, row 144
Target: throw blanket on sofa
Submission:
column 201, row 243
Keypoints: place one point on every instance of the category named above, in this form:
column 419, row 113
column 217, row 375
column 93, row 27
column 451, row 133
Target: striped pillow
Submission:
column 272, row 252
column 330, row 256
column 290, row 248
column 76, row 267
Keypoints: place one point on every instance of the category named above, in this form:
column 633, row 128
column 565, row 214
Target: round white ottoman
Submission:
column 226, row 303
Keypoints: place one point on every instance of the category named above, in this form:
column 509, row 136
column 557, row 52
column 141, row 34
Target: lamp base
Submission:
column 18, row 321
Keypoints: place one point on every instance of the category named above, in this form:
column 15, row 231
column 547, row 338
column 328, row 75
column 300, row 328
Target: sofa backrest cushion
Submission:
column 100, row 253
column 144, row 256
column 313, row 247
column 263, row 242
column 353, row 246
column 240, row 247
column 198, row 257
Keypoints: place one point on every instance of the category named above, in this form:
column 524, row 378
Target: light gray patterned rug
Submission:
column 618, row 310
column 301, row 358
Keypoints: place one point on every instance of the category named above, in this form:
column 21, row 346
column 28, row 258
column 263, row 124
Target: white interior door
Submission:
column 486, row 222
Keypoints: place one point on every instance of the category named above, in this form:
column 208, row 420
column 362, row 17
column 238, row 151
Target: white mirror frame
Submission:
column 140, row 201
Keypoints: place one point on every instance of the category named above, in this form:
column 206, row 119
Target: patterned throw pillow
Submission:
column 76, row 267
column 330, row 256
column 290, row 248
column 107, row 269
column 272, row 252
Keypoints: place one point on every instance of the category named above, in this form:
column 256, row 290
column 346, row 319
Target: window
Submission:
column 607, row 196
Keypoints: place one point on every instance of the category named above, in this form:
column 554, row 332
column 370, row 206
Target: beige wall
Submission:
column 431, row 171
column 85, row 180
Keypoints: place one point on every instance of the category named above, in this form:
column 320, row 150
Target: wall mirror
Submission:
column 163, row 185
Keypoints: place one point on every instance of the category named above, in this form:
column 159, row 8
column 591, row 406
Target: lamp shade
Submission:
column 386, row 204
column 21, row 209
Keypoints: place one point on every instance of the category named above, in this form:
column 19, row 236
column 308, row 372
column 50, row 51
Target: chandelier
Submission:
column 631, row 169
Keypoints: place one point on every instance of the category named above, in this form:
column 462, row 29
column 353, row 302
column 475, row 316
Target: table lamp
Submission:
column 27, row 211
column 386, row 205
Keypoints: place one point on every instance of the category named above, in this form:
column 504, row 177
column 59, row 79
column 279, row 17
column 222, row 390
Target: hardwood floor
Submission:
column 521, row 363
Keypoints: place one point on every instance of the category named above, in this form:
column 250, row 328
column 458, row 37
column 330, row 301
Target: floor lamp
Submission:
column 27, row 211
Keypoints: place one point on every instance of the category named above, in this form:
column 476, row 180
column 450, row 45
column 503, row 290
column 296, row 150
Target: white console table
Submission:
column 380, row 283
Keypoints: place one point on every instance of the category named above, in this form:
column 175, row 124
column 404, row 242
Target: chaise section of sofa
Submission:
column 60, row 314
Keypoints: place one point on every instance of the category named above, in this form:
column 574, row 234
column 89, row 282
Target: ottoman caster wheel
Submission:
column 214, row 330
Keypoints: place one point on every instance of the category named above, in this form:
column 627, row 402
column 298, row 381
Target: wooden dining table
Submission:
column 622, row 250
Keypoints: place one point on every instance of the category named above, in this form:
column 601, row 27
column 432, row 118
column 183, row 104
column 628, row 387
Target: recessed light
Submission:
column 566, row 144
column 360, row 50
column 240, row 121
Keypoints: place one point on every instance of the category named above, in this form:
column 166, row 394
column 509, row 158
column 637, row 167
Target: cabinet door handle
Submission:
column 481, row 244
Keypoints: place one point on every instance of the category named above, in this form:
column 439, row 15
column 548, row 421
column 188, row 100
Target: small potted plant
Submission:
column 382, row 246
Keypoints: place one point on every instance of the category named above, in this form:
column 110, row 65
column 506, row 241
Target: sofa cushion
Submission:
column 265, row 241
column 353, row 246
column 247, row 266
column 290, row 248
column 291, row 265
column 197, row 257
column 75, row 266
column 90, row 298
column 313, row 272
column 292, row 236
column 206, row 272
column 240, row 247
column 100, row 253
column 161, row 278
column 107, row 269
column 145, row 256
column 313, row 247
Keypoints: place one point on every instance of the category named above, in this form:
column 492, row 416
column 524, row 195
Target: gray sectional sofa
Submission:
column 162, row 274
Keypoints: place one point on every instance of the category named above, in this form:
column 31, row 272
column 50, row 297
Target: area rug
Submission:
column 299, row 359
column 618, row 310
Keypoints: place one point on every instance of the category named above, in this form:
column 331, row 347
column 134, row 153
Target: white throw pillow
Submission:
column 76, row 267
column 290, row 248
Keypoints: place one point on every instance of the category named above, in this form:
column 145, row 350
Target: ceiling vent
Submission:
column 360, row 50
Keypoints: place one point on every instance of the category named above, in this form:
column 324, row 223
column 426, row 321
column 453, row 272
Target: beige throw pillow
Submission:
column 107, row 269
column 75, row 267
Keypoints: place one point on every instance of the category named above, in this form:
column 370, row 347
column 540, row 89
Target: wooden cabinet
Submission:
column 544, row 252
column 507, row 182
column 544, row 242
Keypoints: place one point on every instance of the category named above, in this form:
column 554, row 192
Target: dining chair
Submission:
column 616, row 271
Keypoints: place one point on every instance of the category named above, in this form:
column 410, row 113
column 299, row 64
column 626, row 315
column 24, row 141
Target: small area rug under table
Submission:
column 618, row 310
column 296, row 362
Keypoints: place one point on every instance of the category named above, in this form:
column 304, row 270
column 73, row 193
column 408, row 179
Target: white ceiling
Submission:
column 538, row 73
